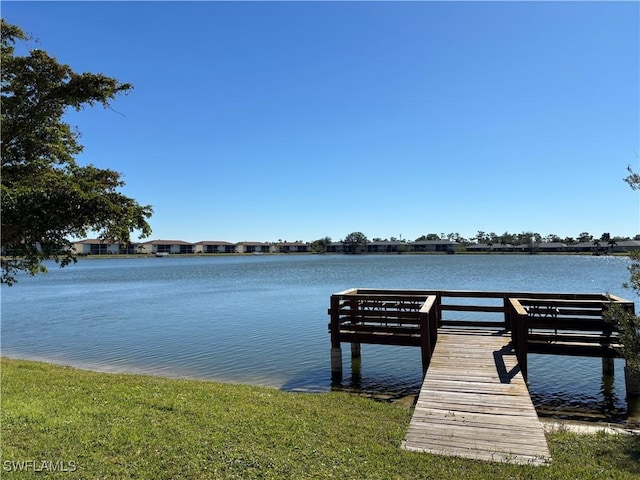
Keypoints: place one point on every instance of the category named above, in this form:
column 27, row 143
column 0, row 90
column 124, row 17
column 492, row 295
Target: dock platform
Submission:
column 474, row 402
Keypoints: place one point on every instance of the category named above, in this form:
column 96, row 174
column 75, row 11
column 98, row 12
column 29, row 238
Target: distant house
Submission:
column 131, row 249
column 293, row 247
column 526, row 247
column 623, row 246
column 167, row 246
column 502, row 247
column 479, row 247
column 444, row 246
column 253, row 247
column 552, row 247
column 493, row 247
column 584, row 247
column 384, row 246
column 335, row 247
column 215, row 247
column 95, row 246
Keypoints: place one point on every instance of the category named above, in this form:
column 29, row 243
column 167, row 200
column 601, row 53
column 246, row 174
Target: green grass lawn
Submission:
column 131, row 426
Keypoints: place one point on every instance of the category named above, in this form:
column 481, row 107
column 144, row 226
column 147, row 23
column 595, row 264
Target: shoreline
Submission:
column 407, row 402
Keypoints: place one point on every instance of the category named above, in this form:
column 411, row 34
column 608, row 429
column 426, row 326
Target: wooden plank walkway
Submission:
column 474, row 403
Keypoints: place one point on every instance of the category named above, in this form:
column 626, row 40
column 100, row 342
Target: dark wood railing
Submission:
column 562, row 326
column 405, row 317
column 550, row 323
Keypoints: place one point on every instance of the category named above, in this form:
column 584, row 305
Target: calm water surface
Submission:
column 263, row 319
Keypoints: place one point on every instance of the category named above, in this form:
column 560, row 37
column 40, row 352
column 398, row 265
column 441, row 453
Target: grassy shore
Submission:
column 97, row 425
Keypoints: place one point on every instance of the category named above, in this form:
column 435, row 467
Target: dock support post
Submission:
column 438, row 310
column 507, row 314
column 353, row 309
column 425, row 341
column 433, row 327
column 520, row 326
column 336, row 365
column 428, row 319
column 356, row 372
column 607, row 389
column 336, row 351
column 608, row 366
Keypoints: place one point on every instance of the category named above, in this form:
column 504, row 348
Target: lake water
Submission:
column 263, row 319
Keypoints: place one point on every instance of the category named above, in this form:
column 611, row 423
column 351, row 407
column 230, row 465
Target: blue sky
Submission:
column 289, row 120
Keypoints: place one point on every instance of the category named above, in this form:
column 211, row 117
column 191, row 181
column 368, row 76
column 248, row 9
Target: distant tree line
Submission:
column 356, row 240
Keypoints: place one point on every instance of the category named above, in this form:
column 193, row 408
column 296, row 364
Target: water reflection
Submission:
column 608, row 393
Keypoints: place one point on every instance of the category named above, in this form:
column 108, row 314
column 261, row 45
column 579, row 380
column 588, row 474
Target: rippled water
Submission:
column 263, row 319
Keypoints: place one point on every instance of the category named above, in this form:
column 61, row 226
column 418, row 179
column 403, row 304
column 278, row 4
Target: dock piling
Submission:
column 336, row 365
column 608, row 366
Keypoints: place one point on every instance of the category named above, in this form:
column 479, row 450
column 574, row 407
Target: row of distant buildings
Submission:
column 166, row 247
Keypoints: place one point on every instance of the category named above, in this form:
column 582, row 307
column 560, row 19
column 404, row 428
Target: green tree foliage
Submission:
column 428, row 237
column 355, row 242
column 320, row 245
column 481, row 237
column 585, row 237
column 627, row 323
column 47, row 198
column 633, row 179
column 507, row 239
column 530, row 239
column 634, row 282
column 552, row 238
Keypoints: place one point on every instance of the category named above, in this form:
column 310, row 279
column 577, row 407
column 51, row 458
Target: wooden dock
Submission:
column 474, row 402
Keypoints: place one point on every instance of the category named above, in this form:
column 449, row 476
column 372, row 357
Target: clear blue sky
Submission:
column 295, row 121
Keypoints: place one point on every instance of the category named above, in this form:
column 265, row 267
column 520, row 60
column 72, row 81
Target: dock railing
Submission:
column 564, row 326
column 551, row 323
column 406, row 318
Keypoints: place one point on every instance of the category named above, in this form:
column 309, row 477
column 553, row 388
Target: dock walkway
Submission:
column 474, row 402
